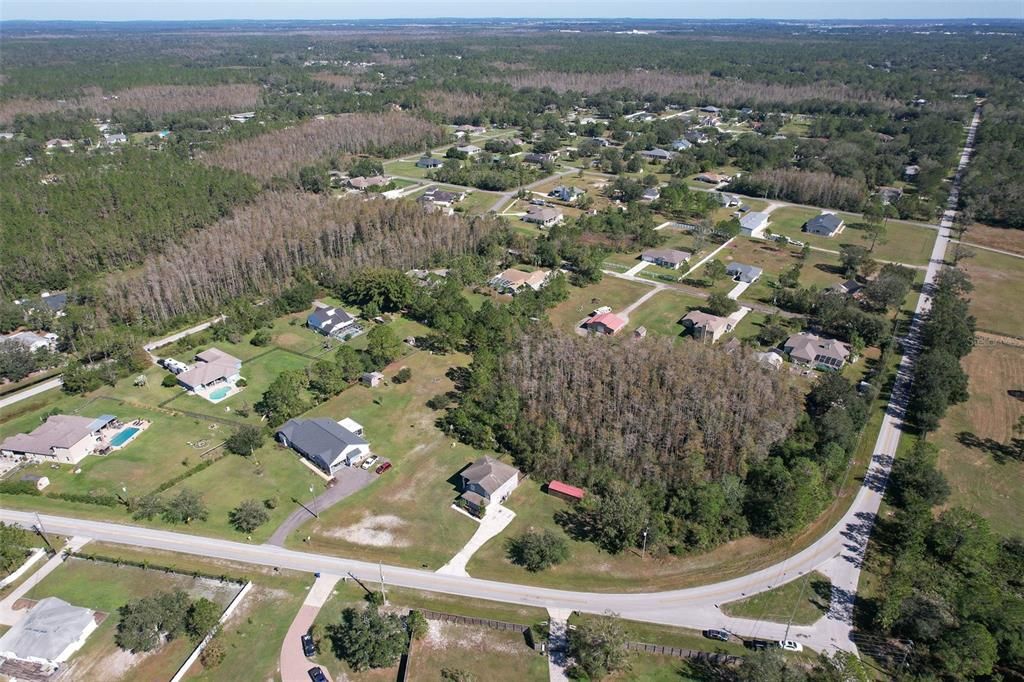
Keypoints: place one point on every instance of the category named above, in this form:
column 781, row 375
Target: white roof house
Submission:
column 49, row 634
column 753, row 223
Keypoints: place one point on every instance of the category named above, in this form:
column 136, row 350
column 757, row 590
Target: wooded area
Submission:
column 282, row 151
column 260, row 248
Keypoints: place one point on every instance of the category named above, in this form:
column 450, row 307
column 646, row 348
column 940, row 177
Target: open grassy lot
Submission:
column 982, row 478
column 106, row 587
column 405, row 517
column 610, row 291
column 998, row 289
column 478, row 201
column 665, row 635
column 406, row 169
column 253, row 635
column 1003, row 238
column 661, row 313
column 804, row 601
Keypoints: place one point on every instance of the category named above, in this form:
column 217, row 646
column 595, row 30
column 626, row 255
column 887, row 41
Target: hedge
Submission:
column 146, row 566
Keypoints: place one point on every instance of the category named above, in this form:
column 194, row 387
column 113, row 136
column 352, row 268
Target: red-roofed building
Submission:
column 565, row 491
column 605, row 323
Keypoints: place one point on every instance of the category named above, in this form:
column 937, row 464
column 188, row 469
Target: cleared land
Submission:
column 1003, row 238
column 982, row 477
column 610, row 291
column 106, row 587
column 998, row 289
column 804, row 601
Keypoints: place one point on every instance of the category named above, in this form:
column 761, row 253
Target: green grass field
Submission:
column 998, row 288
column 106, row 587
column 405, row 517
column 406, row 169
column 903, row 243
column 661, row 313
column 665, row 635
column 610, row 291
column 804, row 600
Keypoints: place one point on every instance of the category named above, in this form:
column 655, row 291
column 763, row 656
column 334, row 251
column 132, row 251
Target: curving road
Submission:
column 839, row 553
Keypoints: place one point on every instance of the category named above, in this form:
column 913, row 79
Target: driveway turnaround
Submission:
column 294, row 664
column 495, row 520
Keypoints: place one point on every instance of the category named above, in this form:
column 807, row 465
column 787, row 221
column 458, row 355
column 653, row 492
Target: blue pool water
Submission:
column 219, row 393
column 123, row 436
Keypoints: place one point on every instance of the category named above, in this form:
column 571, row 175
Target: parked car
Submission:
column 720, row 635
column 383, row 467
column 317, row 675
column 369, row 461
column 790, row 645
column 758, row 644
column 308, row 648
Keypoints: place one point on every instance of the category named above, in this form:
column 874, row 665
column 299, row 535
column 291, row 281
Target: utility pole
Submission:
column 315, row 514
column 792, row 614
column 383, row 590
column 643, row 552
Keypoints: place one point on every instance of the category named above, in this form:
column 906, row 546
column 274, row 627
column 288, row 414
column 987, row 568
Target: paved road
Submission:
column 158, row 343
column 350, row 480
column 23, row 394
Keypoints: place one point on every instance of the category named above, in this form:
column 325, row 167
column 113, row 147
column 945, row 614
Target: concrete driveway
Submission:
column 294, row 664
column 495, row 520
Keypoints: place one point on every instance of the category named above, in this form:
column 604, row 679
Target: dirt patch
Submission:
column 113, row 666
column 441, row 635
column 374, row 531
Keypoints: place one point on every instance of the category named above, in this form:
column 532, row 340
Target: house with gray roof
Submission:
column 658, row 155
column 486, row 481
column 31, row 340
column 666, row 258
column 61, row 438
column 429, row 162
column 326, row 443
column 753, row 223
column 682, row 144
column 567, row 194
column 744, row 273
column 825, row 225
column 330, row 321
column 49, row 634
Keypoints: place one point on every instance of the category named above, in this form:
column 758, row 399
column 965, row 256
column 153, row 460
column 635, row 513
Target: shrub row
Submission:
column 192, row 471
column 146, row 565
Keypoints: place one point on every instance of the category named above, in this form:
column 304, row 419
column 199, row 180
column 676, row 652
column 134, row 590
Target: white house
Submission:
column 49, row 634
column 754, row 223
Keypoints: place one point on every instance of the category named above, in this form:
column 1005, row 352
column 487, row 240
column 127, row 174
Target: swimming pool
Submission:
column 123, row 436
column 218, row 394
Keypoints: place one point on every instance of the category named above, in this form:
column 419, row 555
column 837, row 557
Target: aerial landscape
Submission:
column 483, row 345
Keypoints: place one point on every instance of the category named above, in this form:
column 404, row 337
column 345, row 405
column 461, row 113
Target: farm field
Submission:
column 970, row 440
column 903, row 243
column 406, row 516
column 998, row 282
column 105, row 587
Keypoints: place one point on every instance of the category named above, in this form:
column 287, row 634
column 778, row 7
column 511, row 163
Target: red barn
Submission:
column 567, row 492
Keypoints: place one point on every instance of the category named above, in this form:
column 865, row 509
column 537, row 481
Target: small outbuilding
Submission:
column 371, row 379
column 567, row 492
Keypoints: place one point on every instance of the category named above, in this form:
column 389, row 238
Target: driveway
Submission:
column 495, row 520
column 350, row 480
column 294, row 664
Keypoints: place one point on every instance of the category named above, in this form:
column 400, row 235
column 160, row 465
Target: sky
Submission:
column 120, row 10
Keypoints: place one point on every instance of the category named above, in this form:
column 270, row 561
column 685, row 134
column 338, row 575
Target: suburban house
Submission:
column 55, row 302
column 48, row 634
column 651, row 194
column 326, row 443
column 569, row 493
column 753, row 223
column 605, row 323
column 512, row 281
column 848, row 288
column 666, row 258
column 487, row 480
column 658, row 155
column 825, row 224
column 115, row 138
column 429, row 162
column 61, row 438
column 545, row 216
column 471, row 130
column 712, row 178
column 469, row 149
column 362, row 184
column 696, row 137
column 889, row 195
column 213, row 366
column 539, row 159
column 711, row 110
column 705, row 326
column 441, row 197
column 743, row 273
column 59, row 143
column 329, row 321
column 566, row 194
column 682, row 144
column 816, row 351
column 31, row 340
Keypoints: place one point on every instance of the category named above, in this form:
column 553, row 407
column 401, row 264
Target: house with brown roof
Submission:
column 362, row 184
column 666, row 258
column 213, row 366
column 706, row 327
column 512, row 281
column 712, row 178
column 816, row 351
column 61, row 438
column 545, row 216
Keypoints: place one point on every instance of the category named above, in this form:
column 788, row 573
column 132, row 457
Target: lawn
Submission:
column 106, row 587
column 404, row 518
column 610, row 291
column 998, row 288
column 665, row 635
column 406, row 169
column 661, row 313
column 253, row 635
column 903, row 243
column 1003, row 238
column 981, row 478
column 804, row 601
column 478, row 201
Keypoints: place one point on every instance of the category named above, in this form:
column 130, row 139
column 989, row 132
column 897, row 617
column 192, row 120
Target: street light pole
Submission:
column 315, row 514
column 643, row 552
column 383, row 590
